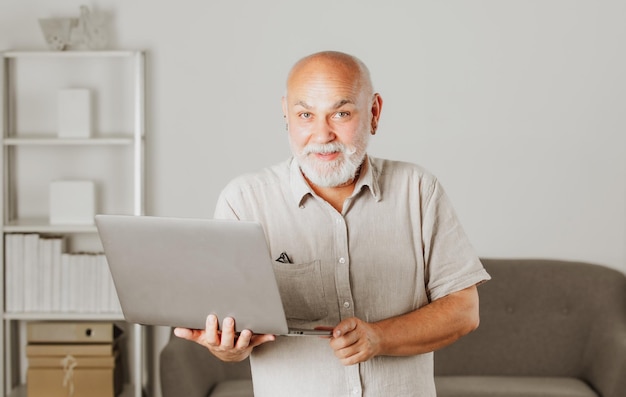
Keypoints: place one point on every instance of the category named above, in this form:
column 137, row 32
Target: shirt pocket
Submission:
column 301, row 290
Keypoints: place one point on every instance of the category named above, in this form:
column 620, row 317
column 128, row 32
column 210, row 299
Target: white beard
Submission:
column 332, row 173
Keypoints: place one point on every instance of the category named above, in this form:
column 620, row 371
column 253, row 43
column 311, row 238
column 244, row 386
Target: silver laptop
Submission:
column 176, row 271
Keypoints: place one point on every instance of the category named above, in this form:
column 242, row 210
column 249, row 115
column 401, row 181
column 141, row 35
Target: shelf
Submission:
column 41, row 225
column 20, row 391
column 27, row 316
column 33, row 154
column 69, row 54
column 48, row 140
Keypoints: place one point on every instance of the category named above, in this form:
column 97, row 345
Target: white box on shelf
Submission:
column 74, row 113
column 72, row 202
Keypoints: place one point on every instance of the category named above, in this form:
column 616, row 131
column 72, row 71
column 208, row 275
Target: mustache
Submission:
column 328, row 148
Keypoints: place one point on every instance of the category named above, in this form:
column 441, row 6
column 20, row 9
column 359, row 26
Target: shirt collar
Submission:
column 301, row 189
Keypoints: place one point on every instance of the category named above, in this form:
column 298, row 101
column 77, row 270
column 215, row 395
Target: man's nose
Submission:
column 323, row 131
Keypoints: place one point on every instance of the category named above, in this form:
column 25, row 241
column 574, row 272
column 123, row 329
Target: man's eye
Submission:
column 342, row 115
column 305, row 115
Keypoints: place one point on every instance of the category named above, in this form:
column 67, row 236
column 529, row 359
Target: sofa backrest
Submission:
column 536, row 319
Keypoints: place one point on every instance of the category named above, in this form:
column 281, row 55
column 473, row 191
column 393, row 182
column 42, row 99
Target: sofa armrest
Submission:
column 190, row 370
column 606, row 359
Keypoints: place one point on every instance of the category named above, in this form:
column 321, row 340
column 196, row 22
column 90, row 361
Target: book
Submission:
column 58, row 246
column 31, row 271
column 92, row 290
column 44, row 281
column 14, row 276
column 42, row 277
column 66, row 282
column 106, row 285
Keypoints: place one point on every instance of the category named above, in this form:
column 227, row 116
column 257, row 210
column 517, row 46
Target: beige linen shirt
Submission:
column 396, row 246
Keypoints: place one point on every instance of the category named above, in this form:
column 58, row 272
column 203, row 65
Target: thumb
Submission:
column 345, row 327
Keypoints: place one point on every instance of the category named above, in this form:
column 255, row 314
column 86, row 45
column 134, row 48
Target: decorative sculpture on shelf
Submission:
column 85, row 32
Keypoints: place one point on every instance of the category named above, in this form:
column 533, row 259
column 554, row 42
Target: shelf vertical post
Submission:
column 139, row 133
column 138, row 199
column 138, row 362
column 5, row 374
column 3, row 111
column 6, row 370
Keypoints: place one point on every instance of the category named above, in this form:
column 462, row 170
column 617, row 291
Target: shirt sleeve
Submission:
column 450, row 260
column 224, row 209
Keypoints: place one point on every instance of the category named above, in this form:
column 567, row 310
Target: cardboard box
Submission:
column 63, row 349
column 69, row 376
column 72, row 332
column 73, row 359
column 81, row 370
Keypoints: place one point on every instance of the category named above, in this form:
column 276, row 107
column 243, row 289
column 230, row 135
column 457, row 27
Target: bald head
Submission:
column 329, row 64
column 330, row 111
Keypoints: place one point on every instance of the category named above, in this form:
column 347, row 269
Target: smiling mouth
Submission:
column 327, row 155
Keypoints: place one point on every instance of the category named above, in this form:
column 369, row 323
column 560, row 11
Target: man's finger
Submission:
column 183, row 333
column 228, row 332
column 344, row 327
column 211, row 335
column 243, row 341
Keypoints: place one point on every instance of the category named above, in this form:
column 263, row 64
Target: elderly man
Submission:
column 375, row 251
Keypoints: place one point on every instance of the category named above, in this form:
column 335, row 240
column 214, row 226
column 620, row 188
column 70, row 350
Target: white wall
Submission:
column 518, row 106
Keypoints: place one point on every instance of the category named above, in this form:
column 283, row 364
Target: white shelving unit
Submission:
column 33, row 155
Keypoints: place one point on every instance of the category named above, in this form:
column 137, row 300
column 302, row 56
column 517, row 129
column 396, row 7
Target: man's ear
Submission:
column 377, row 107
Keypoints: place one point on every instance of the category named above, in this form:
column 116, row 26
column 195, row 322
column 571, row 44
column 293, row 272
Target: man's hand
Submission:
column 355, row 341
column 225, row 344
column 424, row 330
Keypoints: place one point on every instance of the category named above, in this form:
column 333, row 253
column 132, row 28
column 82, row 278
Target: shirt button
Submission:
column 355, row 390
column 342, row 260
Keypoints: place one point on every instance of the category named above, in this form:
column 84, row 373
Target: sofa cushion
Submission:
column 233, row 388
column 511, row 386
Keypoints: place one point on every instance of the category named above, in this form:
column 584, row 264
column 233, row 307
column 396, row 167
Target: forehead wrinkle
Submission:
column 342, row 102
column 336, row 105
column 324, row 83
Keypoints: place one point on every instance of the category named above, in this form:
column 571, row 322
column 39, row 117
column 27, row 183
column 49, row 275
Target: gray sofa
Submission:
column 548, row 328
